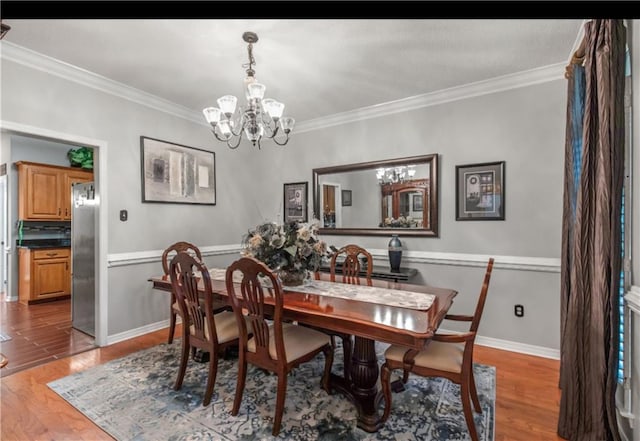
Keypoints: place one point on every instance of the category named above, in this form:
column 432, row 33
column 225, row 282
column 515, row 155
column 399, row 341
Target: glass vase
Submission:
column 292, row 277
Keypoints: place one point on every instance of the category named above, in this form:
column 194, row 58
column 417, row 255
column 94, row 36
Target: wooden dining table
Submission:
column 368, row 322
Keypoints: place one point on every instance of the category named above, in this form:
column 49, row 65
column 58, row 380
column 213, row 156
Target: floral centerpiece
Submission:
column 290, row 249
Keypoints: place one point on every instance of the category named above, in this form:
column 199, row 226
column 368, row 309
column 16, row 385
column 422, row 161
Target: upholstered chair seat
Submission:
column 438, row 355
column 298, row 341
column 226, row 327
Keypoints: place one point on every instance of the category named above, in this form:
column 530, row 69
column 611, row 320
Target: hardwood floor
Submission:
column 527, row 396
column 39, row 334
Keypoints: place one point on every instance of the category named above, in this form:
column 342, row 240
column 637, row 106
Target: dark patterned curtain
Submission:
column 591, row 240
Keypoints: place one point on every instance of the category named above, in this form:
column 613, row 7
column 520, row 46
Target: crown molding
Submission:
column 35, row 60
column 493, row 85
column 38, row 61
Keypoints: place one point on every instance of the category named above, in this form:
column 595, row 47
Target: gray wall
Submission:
column 524, row 127
column 249, row 188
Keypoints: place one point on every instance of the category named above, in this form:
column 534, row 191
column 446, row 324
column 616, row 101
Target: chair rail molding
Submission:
column 140, row 257
column 522, row 263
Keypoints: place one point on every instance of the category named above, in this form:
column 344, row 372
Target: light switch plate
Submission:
column 123, row 215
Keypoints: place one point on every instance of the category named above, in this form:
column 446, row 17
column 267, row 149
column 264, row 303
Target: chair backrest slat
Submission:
column 260, row 300
column 351, row 265
column 185, row 272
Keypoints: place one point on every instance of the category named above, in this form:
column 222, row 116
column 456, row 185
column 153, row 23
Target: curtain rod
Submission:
column 577, row 55
column 578, row 50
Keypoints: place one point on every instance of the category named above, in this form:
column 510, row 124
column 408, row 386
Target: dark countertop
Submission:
column 44, row 243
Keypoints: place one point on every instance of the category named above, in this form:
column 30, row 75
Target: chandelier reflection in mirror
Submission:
column 394, row 175
column 259, row 118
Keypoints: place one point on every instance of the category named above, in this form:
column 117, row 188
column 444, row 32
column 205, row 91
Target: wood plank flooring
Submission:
column 39, row 334
column 527, row 396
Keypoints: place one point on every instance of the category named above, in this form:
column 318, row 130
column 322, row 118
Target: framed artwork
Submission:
column 346, row 198
column 480, row 191
column 417, row 202
column 295, row 202
column 177, row 174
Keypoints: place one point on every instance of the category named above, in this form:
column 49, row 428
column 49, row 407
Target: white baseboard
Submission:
column 522, row 348
column 137, row 332
column 505, row 345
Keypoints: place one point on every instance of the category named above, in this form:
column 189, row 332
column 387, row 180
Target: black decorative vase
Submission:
column 395, row 253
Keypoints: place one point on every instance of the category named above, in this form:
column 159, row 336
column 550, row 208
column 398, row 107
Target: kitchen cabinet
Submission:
column 44, row 191
column 45, row 274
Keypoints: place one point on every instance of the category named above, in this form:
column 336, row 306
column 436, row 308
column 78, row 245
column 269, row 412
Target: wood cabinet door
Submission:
column 70, row 178
column 51, row 277
column 41, row 194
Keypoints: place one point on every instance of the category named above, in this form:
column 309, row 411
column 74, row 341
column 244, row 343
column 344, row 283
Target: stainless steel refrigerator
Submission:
column 83, row 247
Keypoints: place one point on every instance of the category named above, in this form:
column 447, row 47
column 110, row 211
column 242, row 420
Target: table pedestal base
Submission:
column 362, row 390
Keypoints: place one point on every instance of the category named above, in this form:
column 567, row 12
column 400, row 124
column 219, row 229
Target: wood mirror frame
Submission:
column 427, row 186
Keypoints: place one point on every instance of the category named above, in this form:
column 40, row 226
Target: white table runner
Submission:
column 361, row 293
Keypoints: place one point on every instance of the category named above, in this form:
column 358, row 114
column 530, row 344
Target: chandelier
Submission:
column 395, row 175
column 257, row 119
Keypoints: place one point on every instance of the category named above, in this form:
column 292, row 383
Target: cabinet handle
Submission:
column 52, row 254
column 66, row 212
column 59, row 211
column 66, row 266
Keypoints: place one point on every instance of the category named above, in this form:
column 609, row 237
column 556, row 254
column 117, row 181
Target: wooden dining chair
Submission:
column 205, row 330
column 447, row 355
column 348, row 271
column 167, row 255
column 276, row 346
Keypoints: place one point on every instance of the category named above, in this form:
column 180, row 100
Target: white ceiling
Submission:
column 316, row 67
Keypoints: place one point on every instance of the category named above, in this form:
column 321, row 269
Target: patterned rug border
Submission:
column 132, row 398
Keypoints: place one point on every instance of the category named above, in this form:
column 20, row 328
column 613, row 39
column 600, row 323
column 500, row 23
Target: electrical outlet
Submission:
column 518, row 310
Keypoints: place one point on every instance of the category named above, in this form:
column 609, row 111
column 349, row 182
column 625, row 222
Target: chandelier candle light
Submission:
column 259, row 118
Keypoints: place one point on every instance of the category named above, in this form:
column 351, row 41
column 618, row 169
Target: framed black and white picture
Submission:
column 295, row 202
column 346, row 198
column 177, row 174
column 416, row 202
column 480, row 190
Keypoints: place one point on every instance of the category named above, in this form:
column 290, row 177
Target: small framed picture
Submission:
column 417, row 202
column 346, row 198
column 295, row 202
column 480, row 190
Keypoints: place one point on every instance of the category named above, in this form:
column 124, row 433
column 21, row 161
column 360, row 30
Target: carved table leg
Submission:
column 362, row 389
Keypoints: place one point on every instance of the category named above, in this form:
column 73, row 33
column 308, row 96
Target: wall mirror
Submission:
column 378, row 198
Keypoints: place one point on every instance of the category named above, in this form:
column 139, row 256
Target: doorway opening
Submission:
column 30, row 322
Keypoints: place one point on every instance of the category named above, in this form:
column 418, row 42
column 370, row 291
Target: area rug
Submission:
column 132, row 398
